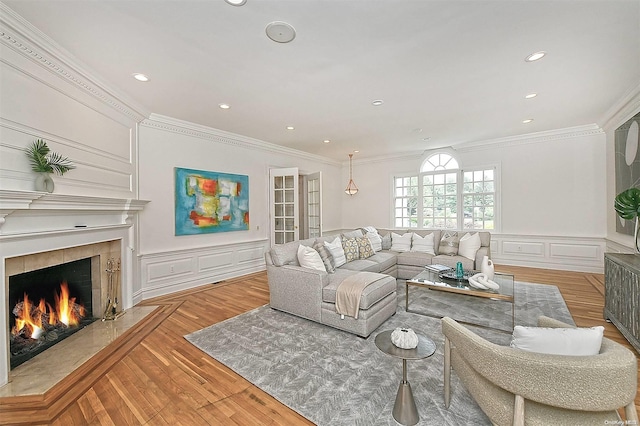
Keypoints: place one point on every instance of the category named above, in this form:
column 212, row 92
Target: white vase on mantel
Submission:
column 487, row 267
column 44, row 183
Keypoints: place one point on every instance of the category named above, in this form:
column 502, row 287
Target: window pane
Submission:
column 438, row 179
column 488, row 175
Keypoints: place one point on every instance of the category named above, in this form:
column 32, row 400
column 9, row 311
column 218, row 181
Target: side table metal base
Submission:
column 405, row 411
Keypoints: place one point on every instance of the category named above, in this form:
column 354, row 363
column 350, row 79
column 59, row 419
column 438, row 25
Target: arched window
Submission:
column 442, row 196
column 439, row 162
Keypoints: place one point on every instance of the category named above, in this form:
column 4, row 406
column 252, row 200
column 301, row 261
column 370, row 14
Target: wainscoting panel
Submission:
column 167, row 272
column 549, row 252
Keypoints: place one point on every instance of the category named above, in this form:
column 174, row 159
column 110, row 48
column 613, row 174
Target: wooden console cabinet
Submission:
column 622, row 294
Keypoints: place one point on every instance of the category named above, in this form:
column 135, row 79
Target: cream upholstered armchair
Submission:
column 513, row 386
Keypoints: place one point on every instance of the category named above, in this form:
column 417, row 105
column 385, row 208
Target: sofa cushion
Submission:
column 469, row 245
column 362, row 265
column 364, row 247
column 376, row 241
column 400, row 243
column 351, row 250
column 337, row 252
column 308, row 257
column 353, row 234
column 285, row 254
column 326, row 257
column 385, row 259
column 414, row 258
column 449, row 243
column 423, row 244
column 370, row 295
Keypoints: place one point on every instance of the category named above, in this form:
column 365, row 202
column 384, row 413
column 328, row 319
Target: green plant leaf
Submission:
column 627, row 204
column 42, row 160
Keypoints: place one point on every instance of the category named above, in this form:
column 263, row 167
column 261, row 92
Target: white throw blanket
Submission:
column 349, row 292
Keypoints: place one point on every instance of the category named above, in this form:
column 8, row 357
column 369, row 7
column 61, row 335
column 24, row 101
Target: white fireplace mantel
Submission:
column 38, row 222
column 28, row 212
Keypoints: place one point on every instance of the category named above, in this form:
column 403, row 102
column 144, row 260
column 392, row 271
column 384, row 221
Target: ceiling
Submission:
column 449, row 72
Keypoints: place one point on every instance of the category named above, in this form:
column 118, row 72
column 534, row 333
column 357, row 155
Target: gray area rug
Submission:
column 336, row 378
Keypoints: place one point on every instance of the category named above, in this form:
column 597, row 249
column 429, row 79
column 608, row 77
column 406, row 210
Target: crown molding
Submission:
column 170, row 124
column 530, row 138
column 19, row 35
column 623, row 110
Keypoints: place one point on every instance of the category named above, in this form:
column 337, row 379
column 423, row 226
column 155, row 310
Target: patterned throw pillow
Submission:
column 350, row 247
column 449, row 243
column 326, row 257
column 364, row 247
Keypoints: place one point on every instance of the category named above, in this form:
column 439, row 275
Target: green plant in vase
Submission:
column 44, row 162
column 627, row 205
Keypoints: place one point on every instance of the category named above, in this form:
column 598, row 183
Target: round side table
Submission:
column 405, row 411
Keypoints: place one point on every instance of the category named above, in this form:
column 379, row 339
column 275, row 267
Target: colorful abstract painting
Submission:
column 210, row 202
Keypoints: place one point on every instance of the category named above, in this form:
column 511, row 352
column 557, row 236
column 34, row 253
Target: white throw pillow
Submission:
column 401, row 243
column 376, row 240
column 558, row 341
column 469, row 245
column 309, row 258
column 337, row 252
column 423, row 244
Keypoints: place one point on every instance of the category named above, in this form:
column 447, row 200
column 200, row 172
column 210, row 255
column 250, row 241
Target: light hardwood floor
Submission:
column 165, row 380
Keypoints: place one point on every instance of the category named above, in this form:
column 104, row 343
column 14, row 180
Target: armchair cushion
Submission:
column 558, row 341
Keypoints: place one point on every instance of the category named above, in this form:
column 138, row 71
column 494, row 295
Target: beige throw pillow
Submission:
column 558, row 341
column 449, row 243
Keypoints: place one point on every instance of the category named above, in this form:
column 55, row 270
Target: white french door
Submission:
column 314, row 204
column 283, row 190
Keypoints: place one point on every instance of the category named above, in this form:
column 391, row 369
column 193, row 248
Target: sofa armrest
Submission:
column 297, row 290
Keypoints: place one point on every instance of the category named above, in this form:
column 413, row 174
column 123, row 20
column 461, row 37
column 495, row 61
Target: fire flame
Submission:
column 30, row 317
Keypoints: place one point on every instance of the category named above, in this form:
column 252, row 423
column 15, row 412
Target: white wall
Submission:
column 170, row 262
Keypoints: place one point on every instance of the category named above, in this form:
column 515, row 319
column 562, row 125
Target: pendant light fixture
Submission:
column 352, row 189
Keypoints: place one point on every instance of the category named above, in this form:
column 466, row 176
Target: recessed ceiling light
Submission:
column 290, row 128
column 535, row 56
column 531, row 95
column 528, row 120
column 377, row 102
column 326, row 141
column 140, row 77
column 236, row 2
column 224, row 106
column 356, row 150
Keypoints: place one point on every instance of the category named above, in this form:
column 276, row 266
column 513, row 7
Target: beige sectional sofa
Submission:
column 311, row 293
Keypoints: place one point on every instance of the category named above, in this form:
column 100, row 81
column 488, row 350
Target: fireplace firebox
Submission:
column 46, row 306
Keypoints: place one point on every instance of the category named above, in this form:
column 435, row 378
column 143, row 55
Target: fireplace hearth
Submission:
column 47, row 306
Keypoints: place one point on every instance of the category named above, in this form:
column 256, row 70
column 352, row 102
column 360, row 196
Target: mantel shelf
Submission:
column 19, row 204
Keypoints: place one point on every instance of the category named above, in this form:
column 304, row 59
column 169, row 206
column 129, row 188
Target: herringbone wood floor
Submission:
column 165, row 380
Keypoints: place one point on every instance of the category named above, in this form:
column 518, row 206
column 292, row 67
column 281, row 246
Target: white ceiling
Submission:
column 452, row 71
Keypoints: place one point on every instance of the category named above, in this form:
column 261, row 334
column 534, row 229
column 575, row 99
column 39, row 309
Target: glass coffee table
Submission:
column 435, row 281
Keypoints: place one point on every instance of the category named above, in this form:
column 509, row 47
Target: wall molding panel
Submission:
column 170, row 271
column 583, row 254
